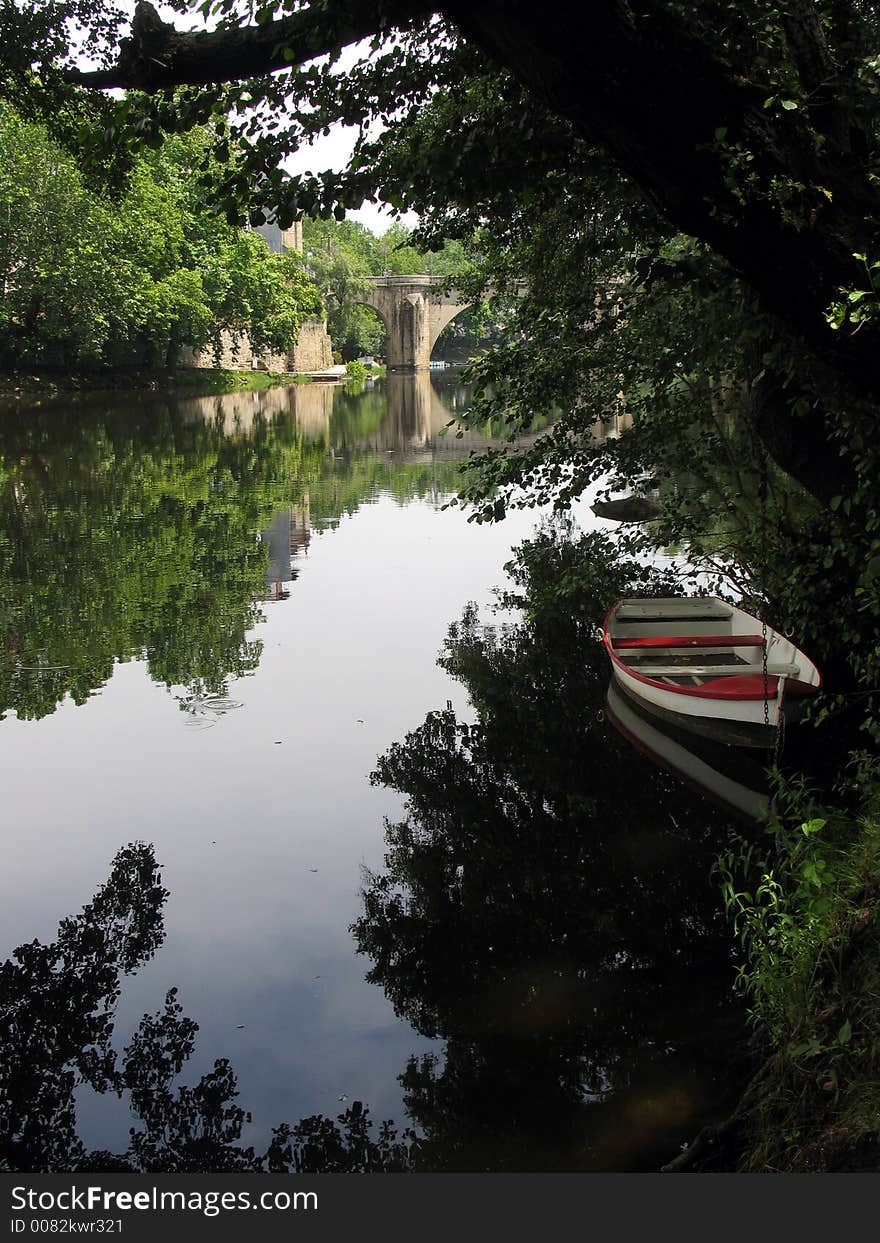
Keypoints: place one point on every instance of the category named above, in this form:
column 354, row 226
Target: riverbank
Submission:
column 811, row 934
column 806, row 919
column 195, row 380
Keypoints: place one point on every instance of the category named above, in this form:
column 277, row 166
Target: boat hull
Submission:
column 706, row 666
column 742, row 726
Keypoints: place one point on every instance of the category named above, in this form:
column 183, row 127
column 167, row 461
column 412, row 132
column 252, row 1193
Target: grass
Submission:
column 195, row 380
column 810, row 933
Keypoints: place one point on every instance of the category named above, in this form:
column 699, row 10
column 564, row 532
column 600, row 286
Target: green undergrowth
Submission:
column 805, row 904
column 356, row 371
column 223, row 381
column 197, row 380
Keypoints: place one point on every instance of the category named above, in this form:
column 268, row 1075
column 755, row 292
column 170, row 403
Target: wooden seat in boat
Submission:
column 651, row 670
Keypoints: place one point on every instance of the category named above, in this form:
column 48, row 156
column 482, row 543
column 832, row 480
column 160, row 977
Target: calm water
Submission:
column 218, row 614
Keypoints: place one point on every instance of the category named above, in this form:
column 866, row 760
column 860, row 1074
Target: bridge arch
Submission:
column 414, row 309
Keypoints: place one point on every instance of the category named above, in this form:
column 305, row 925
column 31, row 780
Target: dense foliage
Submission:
column 86, row 279
column 729, row 189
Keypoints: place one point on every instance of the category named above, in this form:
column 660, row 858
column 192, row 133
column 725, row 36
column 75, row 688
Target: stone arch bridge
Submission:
column 414, row 310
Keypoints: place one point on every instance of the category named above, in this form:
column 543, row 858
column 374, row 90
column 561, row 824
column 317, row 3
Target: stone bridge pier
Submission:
column 414, row 310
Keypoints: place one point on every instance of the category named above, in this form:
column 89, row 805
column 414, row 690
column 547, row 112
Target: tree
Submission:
column 340, row 255
column 85, row 280
column 752, row 129
column 715, row 159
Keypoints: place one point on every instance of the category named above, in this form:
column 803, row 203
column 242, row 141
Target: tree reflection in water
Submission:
column 129, row 532
column 546, row 906
column 129, row 529
column 57, row 1007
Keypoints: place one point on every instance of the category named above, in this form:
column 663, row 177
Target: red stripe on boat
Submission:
column 748, row 686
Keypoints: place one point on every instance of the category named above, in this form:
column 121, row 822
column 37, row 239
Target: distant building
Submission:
column 287, row 537
column 281, row 240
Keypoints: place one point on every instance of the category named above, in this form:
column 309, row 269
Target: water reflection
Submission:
column 725, row 773
column 545, row 906
column 153, row 528
column 544, row 910
column 57, row 1004
column 131, row 533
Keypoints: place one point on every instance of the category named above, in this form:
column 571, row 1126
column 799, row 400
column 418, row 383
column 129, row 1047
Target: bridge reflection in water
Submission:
column 403, row 412
column 394, row 434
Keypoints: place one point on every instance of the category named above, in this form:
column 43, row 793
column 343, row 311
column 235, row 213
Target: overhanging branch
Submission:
column 156, row 55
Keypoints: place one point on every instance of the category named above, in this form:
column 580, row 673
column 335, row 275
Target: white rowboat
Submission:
column 698, row 662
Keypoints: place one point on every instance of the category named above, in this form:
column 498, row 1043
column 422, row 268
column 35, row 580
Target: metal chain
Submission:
column 762, row 518
column 780, row 737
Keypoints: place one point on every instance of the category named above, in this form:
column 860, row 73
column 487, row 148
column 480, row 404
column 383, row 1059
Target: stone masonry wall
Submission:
column 312, row 351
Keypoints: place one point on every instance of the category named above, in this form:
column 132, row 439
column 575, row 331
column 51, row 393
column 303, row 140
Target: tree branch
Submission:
column 156, row 55
column 806, row 40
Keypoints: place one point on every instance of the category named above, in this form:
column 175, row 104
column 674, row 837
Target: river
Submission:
column 219, row 614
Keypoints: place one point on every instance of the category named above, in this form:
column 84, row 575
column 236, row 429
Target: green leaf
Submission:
column 812, row 826
column 845, row 1033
